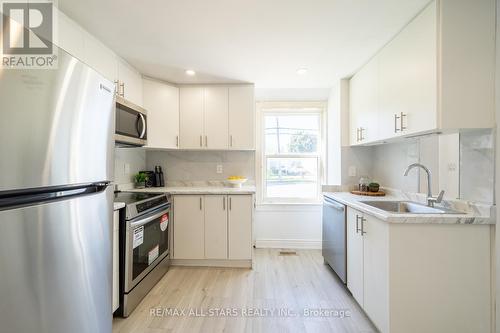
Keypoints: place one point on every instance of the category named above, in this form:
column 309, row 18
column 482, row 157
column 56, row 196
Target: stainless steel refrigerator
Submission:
column 56, row 162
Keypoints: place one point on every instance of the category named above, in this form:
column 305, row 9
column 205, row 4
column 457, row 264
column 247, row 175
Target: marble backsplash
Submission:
column 466, row 169
column 188, row 167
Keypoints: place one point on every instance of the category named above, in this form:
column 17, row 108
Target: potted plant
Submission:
column 140, row 180
column 373, row 187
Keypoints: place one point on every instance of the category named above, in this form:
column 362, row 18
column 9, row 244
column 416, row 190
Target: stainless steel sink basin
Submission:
column 408, row 207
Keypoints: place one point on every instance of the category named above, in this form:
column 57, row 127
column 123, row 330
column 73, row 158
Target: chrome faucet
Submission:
column 430, row 199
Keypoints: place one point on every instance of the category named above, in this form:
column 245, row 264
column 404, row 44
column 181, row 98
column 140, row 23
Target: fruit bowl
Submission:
column 236, row 181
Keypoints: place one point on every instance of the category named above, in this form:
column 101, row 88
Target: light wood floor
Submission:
column 294, row 282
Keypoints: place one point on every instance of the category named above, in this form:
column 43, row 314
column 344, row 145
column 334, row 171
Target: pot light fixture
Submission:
column 302, row 71
column 190, row 72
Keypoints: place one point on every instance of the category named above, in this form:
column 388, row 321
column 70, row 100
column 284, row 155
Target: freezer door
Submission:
column 56, row 126
column 55, row 266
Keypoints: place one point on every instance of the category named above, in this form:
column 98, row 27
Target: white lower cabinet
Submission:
column 189, row 227
column 216, row 227
column 116, row 257
column 375, row 270
column 355, row 256
column 367, row 255
column 414, row 278
column 240, row 226
column 213, row 227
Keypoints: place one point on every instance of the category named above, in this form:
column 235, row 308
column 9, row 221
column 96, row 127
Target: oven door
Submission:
column 147, row 243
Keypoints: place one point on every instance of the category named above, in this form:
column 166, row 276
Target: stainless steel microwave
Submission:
column 131, row 123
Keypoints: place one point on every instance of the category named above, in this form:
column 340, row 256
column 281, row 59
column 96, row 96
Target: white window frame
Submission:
column 299, row 108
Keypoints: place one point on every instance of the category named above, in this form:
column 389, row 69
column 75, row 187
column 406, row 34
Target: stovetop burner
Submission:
column 137, row 204
column 129, row 197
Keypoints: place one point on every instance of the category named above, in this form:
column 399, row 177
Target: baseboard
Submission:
column 212, row 263
column 288, row 244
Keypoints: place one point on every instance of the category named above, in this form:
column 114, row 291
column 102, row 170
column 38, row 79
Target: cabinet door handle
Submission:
column 201, row 207
column 177, row 141
column 206, row 140
column 396, row 129
column 201, row 140
column 401, row 117
column 230, row 203
column 224, row 203
column 357, row 224
column 122, row 85
column 357, row 134
column 117, row 87
column 230, row 140
column 363, row 226
column 361, row 138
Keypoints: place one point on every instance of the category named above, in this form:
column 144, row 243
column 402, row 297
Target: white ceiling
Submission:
column 259, row 41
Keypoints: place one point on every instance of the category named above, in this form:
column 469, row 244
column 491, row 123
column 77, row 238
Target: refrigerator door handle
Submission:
column 24, row 198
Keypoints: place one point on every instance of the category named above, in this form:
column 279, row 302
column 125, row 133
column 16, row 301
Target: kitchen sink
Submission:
column 408, row 207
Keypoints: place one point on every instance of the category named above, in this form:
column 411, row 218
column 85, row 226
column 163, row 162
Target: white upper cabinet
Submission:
column 129, row 83
column 436, row 75
column 70, row 37
column 100, row 57
column 161, row 101
column 364, row 104
column 76, row 41
column 241, row 117
column 408, row 79
column 216, row 117
column 191, row 117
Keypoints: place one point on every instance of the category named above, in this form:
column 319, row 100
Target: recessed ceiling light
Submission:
column 302, row 71
column 190, row 72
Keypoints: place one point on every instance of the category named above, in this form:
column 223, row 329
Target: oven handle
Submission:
column 148, row 219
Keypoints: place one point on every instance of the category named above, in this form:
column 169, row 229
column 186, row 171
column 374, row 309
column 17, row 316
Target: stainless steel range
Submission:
column 144, row 246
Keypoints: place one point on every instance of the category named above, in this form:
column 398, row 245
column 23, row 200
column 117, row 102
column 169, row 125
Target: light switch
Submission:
column 219, row 168
column 126, row 168
column 352, row 171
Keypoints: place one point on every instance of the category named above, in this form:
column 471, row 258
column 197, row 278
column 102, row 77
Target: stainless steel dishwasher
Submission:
column 334, row 236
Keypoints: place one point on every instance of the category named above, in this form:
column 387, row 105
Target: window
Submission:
column 291, row 143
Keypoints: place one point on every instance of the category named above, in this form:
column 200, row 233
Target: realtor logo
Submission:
column 27, row 35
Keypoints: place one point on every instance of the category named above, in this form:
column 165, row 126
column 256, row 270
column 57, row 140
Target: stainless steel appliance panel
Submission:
column 334, row 237
column 55, row 266
column 57, row 126
column 131, row 123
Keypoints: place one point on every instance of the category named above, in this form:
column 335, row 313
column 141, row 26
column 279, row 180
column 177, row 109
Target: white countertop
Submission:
column 118, row 205
column 474, row 214
column 197, row 190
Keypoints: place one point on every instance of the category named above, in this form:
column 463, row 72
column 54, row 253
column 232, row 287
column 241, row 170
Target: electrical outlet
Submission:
column 126, row 168
column 219, row 168
column 352, row 171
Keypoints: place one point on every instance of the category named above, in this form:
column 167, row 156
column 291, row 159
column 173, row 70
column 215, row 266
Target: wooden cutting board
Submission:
column 369, row 194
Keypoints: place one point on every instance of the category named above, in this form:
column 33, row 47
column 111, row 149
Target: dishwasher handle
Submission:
column 334, row 204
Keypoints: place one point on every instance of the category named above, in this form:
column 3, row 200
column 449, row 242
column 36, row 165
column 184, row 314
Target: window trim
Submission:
column 278, row 108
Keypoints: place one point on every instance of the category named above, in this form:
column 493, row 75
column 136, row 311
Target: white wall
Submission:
column 288, row 226
column 133, row 159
